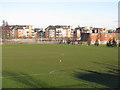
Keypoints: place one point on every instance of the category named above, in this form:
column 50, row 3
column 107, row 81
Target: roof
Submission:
column 118, row 28
column 16, row 27
column 51, row 27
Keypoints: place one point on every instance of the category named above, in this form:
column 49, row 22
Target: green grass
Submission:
column 39, row 66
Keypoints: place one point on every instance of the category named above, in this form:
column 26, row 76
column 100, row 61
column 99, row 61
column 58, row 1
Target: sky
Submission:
column 41, row 13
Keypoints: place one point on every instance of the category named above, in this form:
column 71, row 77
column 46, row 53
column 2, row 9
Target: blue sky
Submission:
column 42, row 14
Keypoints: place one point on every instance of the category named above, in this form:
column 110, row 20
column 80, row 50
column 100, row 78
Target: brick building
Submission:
column 98, row 33
column 118, row 35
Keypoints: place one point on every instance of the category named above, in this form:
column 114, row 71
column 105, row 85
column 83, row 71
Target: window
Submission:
column 93, row 31
column 105, row 35
column 32, row 34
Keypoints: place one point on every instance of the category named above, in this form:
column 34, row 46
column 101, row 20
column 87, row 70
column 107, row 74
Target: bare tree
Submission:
column 5, row 30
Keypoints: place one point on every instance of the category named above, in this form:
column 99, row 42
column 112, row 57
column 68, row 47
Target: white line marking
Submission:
column 60, row 60
column 51, row 72
column 23, row 75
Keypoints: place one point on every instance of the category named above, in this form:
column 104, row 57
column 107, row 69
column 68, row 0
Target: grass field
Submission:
column 59, row 66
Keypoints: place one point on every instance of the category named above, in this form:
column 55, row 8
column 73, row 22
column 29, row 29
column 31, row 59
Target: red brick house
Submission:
column 105, row 37
column 102, row 37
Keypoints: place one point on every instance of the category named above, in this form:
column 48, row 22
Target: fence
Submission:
column 37, row 41
column 47, row 41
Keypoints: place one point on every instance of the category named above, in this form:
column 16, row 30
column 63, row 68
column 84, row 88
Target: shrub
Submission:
column 78, row 41
column 89, row 42
column 107, row 44
column 97, row 42
column 114, row 43
column 111, row 43
column 68, row 41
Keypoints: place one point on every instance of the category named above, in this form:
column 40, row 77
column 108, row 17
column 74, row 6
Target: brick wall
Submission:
column 103, row 37
column 93, row 36
column 106, row 36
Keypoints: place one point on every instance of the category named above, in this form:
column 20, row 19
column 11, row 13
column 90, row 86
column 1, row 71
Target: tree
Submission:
column 110, row 43
column 114, row 42
column 68, row 41
column 5, row 30
column 97, row 42
column 3, row 23
column 89, row 42
column 107, row 44
column 37, row 35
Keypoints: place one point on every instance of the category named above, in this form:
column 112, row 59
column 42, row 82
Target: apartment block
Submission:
column 20, row 31
column 58, row 31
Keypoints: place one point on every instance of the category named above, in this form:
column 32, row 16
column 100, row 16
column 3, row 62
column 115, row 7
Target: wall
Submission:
column 106, row 36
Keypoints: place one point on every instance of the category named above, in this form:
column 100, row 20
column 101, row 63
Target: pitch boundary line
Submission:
column 51, row 72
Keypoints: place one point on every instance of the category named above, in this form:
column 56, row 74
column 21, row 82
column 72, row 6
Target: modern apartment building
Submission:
column 58, row 31
column 20, row 31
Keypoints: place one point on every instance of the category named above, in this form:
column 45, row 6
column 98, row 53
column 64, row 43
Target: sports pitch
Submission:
column 59, row 66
